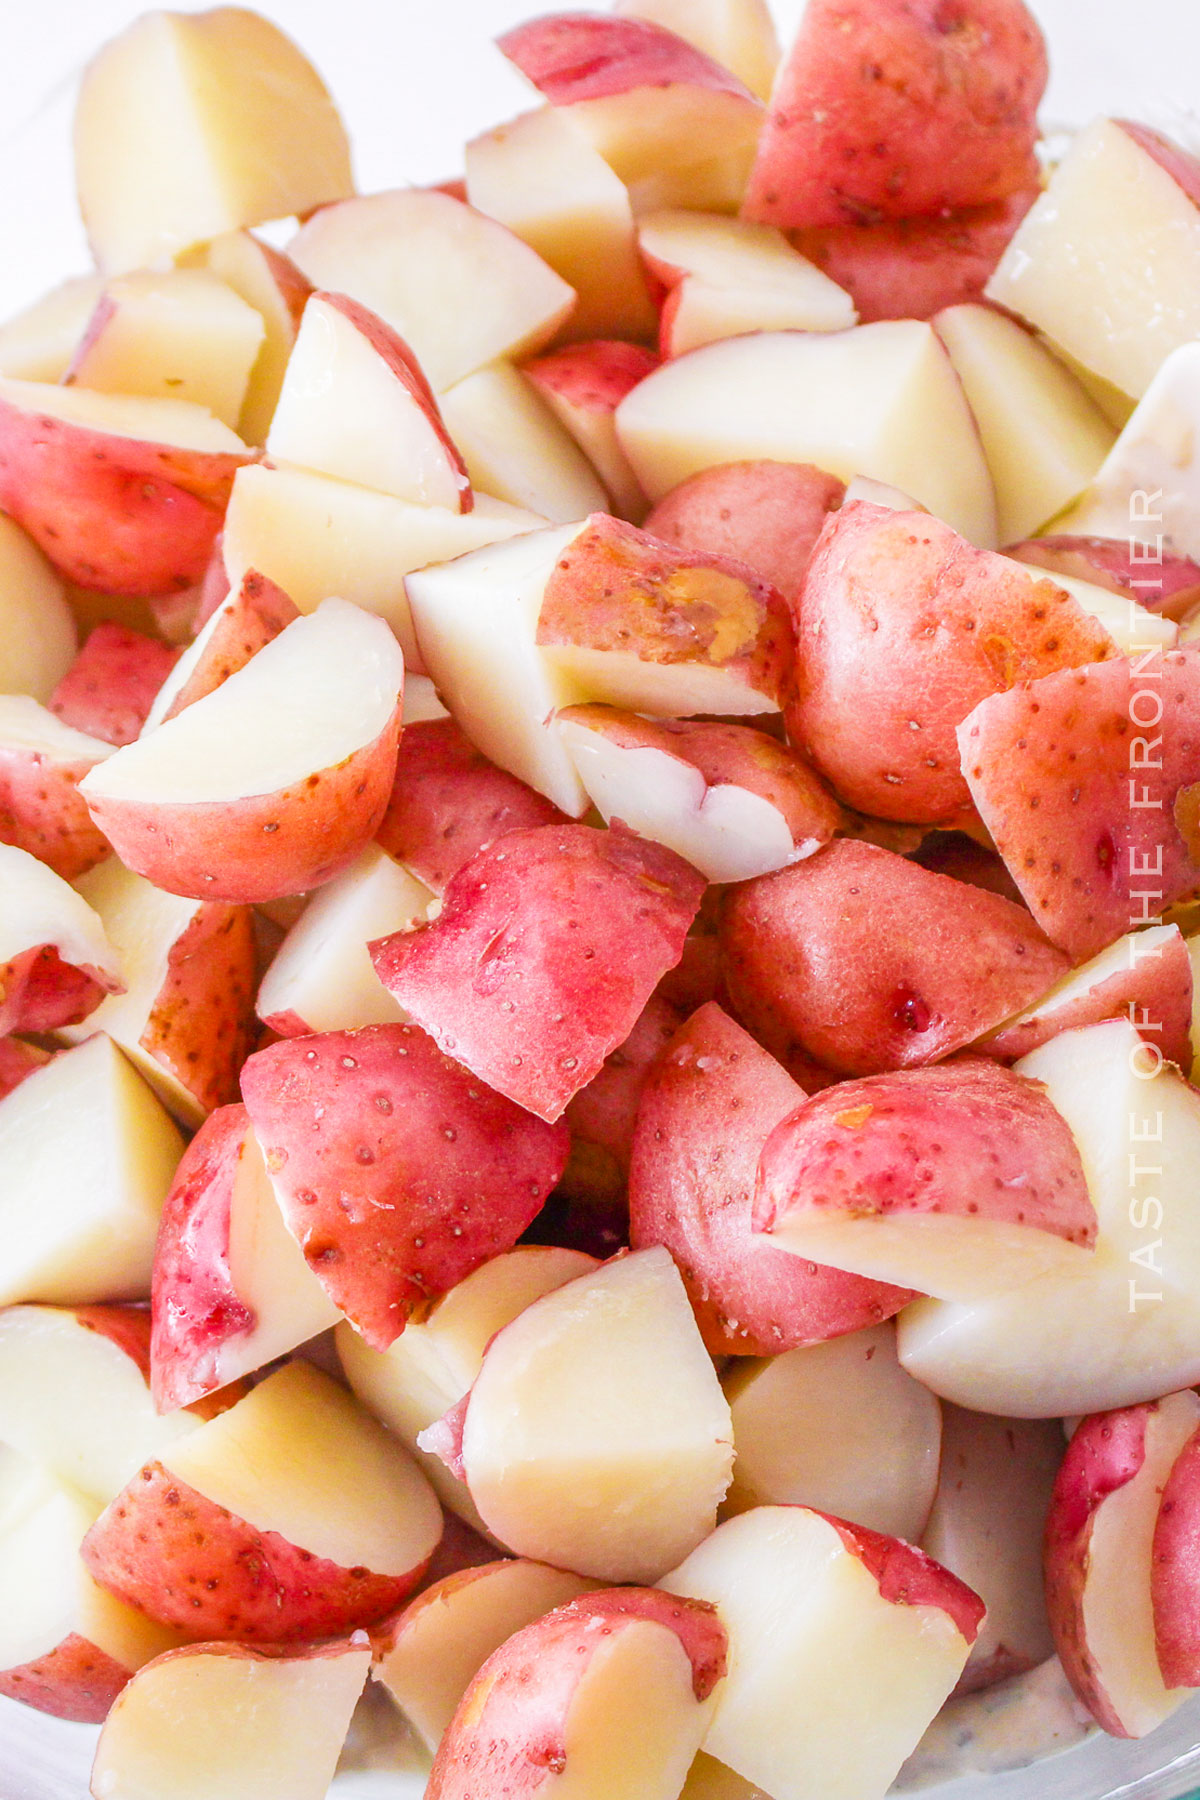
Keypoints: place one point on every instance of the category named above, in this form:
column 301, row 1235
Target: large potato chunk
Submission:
column 192, row 125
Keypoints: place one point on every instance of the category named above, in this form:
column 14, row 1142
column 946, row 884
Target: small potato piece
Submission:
column 768, row 515
column 110, row 687
column 42, row 762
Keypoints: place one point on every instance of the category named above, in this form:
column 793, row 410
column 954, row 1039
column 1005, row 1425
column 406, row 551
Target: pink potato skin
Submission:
column 908, row 1577
column 1170, row 586
column 263, row 846
column 1155, row 993
column 592, row 377
column 40, row 992
column 400, row 361
column 576, row 56
column 954, row 853
column 602, row 1116
column 887, row 109
column 42, row 811
column 110, row 687
column 188, row 1563
column 1106, row 1451
column 618, row 589
column 707, row 1109
column 202, row 1021
column 729, row 755
column 1175, row 1571
column 870, row 963
column 966, row 1139
column 75, row 1680
column 1097, row 817
column 547, row 948
column 1179, row 164
column 915, row 268
column 767, row 515
column 397, row 1172
column 18, row 1061
column 259, row 613
column 903, row 627
column 113, row 513
column 508, row 1739
column 448, row 802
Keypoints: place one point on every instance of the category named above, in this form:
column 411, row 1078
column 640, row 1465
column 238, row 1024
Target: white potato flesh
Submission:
column 431, row 1365
column 830, row 1686
column 74, row 1402
column 249, row 268
column 725, row 831
column 322, row 690
column 188, row 125
column 88, row 1154
column 516, row 450
column 882, row 400
column 37, row 630
column 37, row 907
column 1043, row 435
column 222, row 1720
column 1118, row 959
column 840, row 1427
column 299, row 1456
column 1131, row 627
column 315, row 537
column 37, row 343
column 538, row 176
column 739, row 34
column 179, row 334
column 177, row 423
column 322, row 972
column 572, row 1455
column 476, row 622
column 1107, row 263
column 345, row 411
column 25, row 725
column 421, row 260
column 1127, row 1328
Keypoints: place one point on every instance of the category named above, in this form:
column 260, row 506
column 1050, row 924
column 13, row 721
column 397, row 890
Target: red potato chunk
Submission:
column 237, row 628
column 885, row 109
column 1096, row 814
column 41, row 808
column 40, row 992
column 448, row 802
column 547, row 948
column 1167, row 584
column 602, row 1117
column 903, row 627
column 915, row 268
column 110, row 687
column 397, row 1172
column 954, row 853
column 17, row 1061
column 1175, row 1571
column 767, row 515
column 867, row 962
column 707, row 1109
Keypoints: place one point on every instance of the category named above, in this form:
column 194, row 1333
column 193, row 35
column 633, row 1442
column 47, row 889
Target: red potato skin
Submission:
column 767, row 515
column 1106, row 1452
column 397, row 1172
column 903, row 627
column 602, row 1116
column 1155, row 993
column 110, row 687
column 264, row 846
column 594, row 376
column 572, row 57
column 618, row 589
column 729, row 756
column 888, row 109
column 1170, row 586
column 508, row 1738
column 214, row 588
column 965, row 1139
column 870, row 963
column 448, row 802
column 400, row 362
column 202, row 1024
column 915, row 268
column 908, row 1577
column 547, row 948
column 259, row 613
column 707, row 1109
column 1179, row 164
column 112, row 513
column 1175, row 1571
column 18, row 1060
column 186, row 1562
column 75, row 1680
column 40, row 992
column 1055, row 768
column 954, row 853
column 42, row 811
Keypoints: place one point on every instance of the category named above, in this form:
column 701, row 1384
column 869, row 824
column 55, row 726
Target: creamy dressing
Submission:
column 1009, row 1726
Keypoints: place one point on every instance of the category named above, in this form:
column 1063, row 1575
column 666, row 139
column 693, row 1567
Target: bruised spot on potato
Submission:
column 1186, row 813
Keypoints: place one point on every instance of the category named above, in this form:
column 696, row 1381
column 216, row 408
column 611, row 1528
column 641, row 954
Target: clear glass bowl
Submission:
column 414, row 82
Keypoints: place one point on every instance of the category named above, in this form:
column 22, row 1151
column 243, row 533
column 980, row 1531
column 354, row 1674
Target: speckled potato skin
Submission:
column 110, row 687
column 902, row 629
column 39, row 992
column 768, row 515
column 1156, row 990
column 707, row 1109
column 202, row 1024
column 259, row 612
column 887, row 109
column 42, row 811
column 868, row 962
column 397, row 1171
column 263, row 846
column 113, row 513
column 966, row 1138
column 184, row 1561
column 1175, row 1571
column 75, row 1680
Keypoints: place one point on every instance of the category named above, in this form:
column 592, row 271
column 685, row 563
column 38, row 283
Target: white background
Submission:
column 416, row 78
